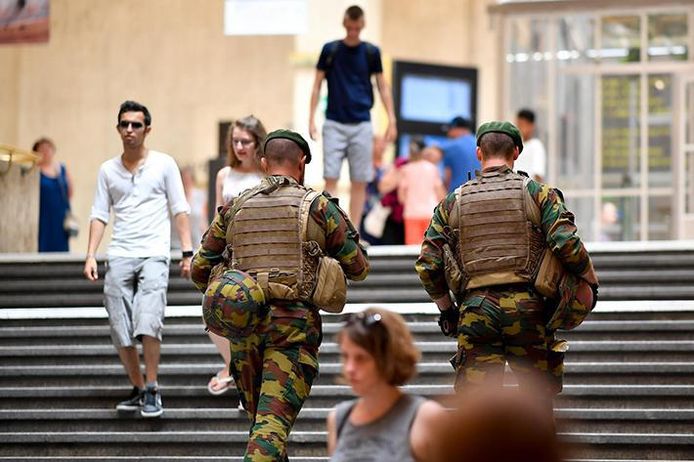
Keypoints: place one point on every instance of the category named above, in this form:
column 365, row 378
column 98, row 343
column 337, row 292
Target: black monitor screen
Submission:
column 428, row 96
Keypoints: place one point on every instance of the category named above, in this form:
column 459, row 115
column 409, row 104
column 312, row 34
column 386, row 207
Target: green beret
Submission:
column 290, row 135
column 497, row 126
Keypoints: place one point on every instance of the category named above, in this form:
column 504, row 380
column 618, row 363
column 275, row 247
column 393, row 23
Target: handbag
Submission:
column 375, row 220
column 70, row 224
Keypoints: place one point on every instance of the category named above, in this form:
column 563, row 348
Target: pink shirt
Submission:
column 419, row 188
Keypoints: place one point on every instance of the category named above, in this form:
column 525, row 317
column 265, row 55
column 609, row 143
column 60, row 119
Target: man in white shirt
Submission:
column 143, row 188
column 533, row 159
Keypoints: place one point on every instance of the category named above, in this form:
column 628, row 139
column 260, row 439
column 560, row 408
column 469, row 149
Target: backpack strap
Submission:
column 332, row 51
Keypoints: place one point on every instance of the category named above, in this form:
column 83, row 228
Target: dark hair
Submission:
column 416, row 144
column 354, row 13
column 388, row 340
column 42, row 140
column 133, row 106
column 253, row 126
column 526, row 114
column 497, row 145
column 280, row 151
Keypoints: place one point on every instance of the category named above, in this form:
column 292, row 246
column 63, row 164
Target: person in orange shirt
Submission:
column 420, row 189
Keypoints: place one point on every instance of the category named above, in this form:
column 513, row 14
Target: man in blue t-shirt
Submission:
column 348, row 65
column 459, row 153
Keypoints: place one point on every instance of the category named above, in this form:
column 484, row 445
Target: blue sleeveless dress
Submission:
column 53, row 205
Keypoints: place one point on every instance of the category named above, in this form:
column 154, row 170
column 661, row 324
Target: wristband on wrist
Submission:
column 187, row 253
column 91, row 255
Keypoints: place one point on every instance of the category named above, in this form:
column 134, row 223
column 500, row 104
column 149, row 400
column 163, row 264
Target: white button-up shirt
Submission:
column 141, row 202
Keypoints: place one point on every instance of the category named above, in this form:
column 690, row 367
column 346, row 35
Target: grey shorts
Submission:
column 354, row 141
column 135, row 297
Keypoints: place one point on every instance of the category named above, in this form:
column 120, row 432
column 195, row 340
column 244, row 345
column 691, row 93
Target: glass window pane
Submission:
column 584, row 210
column 528, row 60
column 689, row 183
column 689, row 113
column 667, row 37
column 576, row 112
column 621, row 39
column 619, row 219
column 576, row 40
column 660, row 130
column 620, row 131
column 660, row 218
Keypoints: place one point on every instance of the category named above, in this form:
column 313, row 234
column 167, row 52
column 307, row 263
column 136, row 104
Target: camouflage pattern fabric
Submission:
column 497, row 326
column 233, row 304
column 274, row 369
column 529, row 344
column 274, row 366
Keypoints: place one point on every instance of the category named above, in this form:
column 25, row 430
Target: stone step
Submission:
column 302, row 443
column 60, row 282
column 223, row 419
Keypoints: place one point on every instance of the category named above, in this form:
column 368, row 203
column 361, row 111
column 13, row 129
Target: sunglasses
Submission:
column 125, row 123
column 367, row 320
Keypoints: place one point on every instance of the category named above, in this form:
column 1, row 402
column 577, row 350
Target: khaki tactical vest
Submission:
column 497, row 242
column 271, row 237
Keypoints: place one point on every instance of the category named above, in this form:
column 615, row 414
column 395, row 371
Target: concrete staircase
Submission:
column 629, row 392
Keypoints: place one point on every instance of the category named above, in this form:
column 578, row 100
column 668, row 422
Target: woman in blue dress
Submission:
column 54, row 202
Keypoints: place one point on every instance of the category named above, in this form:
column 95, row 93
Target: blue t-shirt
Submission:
column 460, row 155
column 350, row 94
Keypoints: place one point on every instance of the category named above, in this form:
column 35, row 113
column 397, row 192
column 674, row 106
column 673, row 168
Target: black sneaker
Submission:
column 134, row 402
column 152, row 406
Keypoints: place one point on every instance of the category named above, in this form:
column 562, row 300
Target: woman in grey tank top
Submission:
column 383, row 424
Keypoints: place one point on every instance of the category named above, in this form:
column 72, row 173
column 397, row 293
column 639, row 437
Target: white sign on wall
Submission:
column 265, row 17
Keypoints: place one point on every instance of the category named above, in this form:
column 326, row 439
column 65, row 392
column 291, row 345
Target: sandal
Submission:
column 223, row 384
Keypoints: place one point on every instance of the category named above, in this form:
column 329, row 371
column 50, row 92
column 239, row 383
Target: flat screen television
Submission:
column 428, row 96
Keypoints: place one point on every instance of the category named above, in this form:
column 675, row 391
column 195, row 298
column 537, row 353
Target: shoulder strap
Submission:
column 342, row 412
column 62, row 181
column 532, row 210
column 332, row 51
column 371, row 55
column 304, row 210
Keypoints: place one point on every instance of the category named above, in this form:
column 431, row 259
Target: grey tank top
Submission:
column 383, row 440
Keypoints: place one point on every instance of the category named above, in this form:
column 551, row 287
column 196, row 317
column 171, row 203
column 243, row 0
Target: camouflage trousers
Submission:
column 274, row 368
column 498, row 326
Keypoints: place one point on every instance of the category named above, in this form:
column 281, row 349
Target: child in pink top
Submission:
column 420, row 189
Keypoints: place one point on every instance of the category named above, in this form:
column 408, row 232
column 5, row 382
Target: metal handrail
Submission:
column 13, row 155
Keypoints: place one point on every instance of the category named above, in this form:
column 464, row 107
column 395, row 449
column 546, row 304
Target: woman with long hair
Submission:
column 244, row 144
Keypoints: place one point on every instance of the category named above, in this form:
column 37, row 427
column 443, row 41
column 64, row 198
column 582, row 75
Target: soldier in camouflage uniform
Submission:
column 483, row 246
column 274, row 352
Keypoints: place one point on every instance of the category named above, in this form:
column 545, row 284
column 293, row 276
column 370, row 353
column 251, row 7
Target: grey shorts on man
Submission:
column 353, row 141
column 135, row 297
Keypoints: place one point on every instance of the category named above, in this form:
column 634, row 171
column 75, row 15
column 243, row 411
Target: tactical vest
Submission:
column 265, row 236
column 498, row 243
column 271, row 238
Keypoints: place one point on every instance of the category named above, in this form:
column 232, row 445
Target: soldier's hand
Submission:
column 90, row 270
column 448, row 321
column 185, row 267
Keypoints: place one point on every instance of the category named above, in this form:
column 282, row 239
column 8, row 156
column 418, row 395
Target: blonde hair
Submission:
column 385, row 336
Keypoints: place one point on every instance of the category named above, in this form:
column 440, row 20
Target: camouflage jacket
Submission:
column 341, row 241
column 557, row 226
